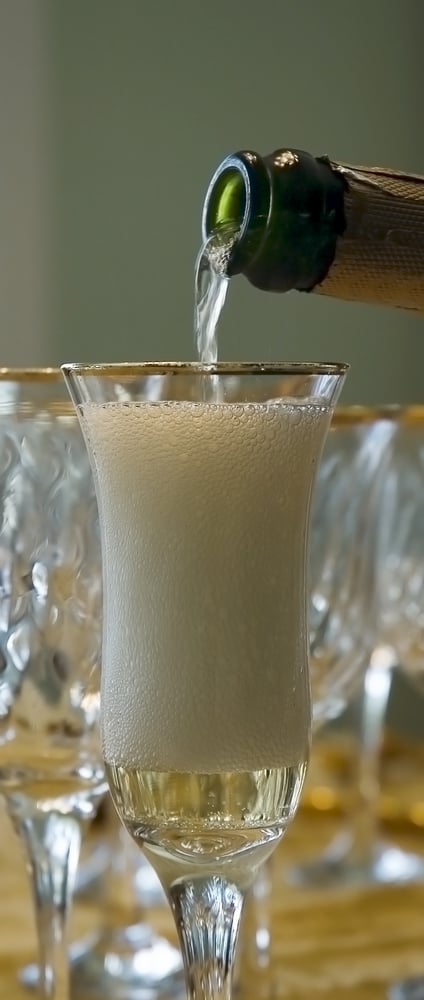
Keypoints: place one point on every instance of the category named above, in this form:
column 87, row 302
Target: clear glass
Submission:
column 124, row 958
column 50, row 638
column 204, row 477
column 379, row 505
column 342, row 608
column 408, row 989
column 401, row 574
column 51, row 770
column 342, row 564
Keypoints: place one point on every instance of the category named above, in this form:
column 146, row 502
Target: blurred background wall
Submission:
column 114, row 114
column 26, row 161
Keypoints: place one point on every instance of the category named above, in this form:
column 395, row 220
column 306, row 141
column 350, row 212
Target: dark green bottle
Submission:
column 311, row 224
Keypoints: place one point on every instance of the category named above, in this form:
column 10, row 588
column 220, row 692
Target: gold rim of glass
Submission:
column 30, row 375
column 126, row 369
column 347, row 414
column 408, row 413
column 40, row 393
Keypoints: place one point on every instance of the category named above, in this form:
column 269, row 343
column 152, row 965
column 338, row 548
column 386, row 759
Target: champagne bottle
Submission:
column 312, row 224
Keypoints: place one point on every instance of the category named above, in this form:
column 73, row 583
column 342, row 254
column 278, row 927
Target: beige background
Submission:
column 114, row 114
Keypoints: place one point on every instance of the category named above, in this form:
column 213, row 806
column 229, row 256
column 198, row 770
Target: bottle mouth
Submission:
column 228, row 199
column 236, row 207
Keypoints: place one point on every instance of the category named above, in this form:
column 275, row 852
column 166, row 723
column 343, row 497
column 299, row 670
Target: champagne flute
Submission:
column 204, row 494
column 401, row 572
column 342, row 558
column 50, row 621
column 342, row 608
column 373, row 626
column 51, row 770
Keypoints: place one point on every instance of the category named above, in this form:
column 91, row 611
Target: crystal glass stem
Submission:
column 375, row 696
column 52, row 842
column 257, row 930
column 118, row 888
column 207, row 912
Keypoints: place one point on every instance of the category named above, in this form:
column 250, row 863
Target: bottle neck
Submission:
column 284, row 211
column 237, row 206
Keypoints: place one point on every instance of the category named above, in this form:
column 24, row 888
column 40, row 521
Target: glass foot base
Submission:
column 338, row 866
column 129, row 964
column 409, row 989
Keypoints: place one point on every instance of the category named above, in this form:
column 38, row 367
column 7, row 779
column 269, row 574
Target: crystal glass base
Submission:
column 408, row 989
column 340, row 866
column 129, row 964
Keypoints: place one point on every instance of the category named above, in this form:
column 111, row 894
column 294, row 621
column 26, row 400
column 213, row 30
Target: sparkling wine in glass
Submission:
column 204, row 477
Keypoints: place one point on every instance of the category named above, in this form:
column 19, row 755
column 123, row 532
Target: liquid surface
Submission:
column 203, row 512
column 206, row 817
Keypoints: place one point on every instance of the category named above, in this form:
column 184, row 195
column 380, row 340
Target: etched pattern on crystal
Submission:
column 50, row 599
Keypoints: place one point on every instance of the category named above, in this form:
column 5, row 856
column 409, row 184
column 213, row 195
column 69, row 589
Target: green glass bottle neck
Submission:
column 238, row 203
column 285, row 212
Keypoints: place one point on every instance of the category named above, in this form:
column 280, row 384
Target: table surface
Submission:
column 349, row 943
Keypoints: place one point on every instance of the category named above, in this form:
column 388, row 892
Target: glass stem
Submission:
column 207, row 912
column 52, row 844
column 375, row 696
column 256, row 930
column 121, row 905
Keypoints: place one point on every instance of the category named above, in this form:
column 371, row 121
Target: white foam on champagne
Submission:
column 203, row 510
